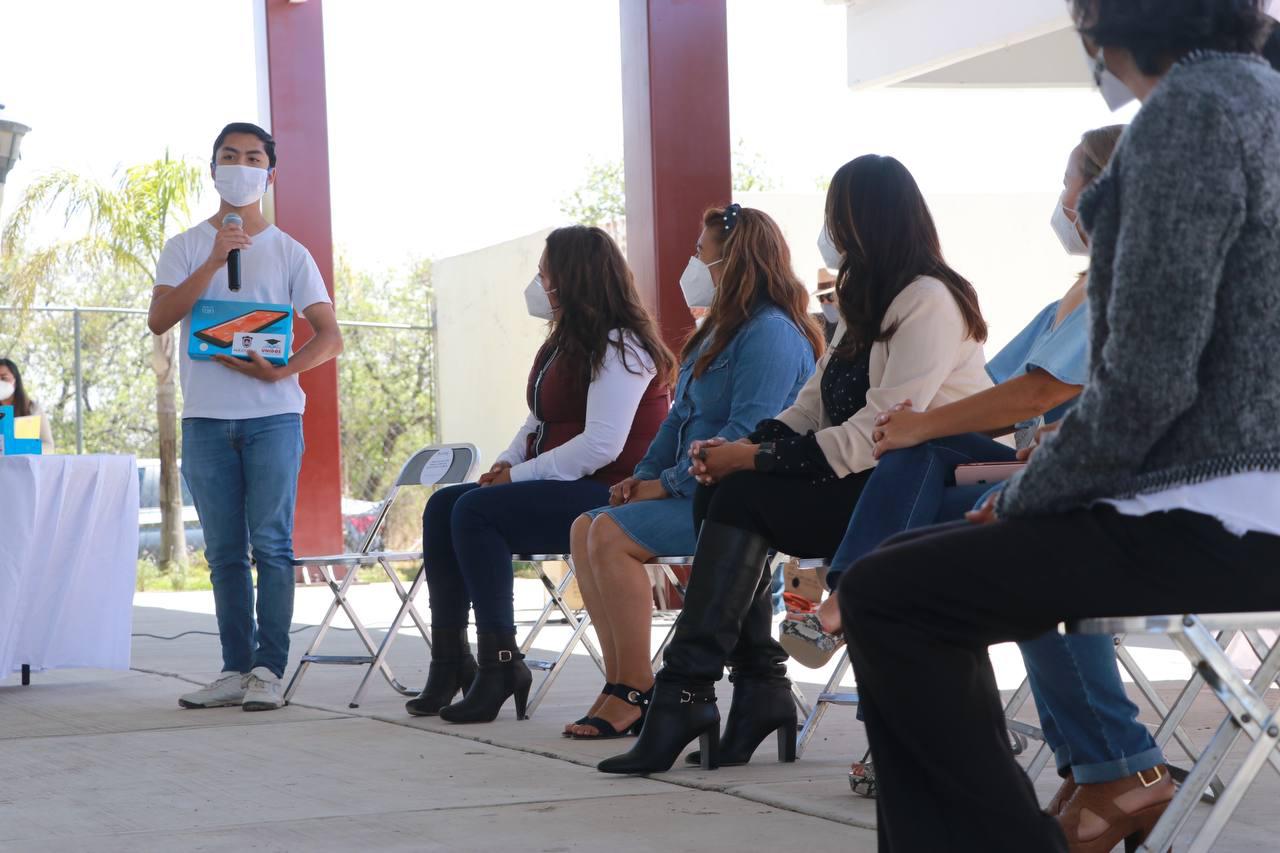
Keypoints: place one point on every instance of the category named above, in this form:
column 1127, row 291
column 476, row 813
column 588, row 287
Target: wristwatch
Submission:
column 766, row 459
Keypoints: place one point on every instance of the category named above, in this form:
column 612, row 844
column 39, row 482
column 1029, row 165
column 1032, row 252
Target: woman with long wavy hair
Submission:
column 755, row 349
column 597, row 393
column 912, row 330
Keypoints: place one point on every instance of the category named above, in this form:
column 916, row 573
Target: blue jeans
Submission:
column 1087, row 718
column 469, row 533
column 243, row 475
column 910, row 488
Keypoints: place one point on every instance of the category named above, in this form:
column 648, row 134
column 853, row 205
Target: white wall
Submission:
column 487, row 342
column 1000, row 242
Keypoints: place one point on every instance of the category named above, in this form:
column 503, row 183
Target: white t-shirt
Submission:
column 1245, row 503
column 276, row 269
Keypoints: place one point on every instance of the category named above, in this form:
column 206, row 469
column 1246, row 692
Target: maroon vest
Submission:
column 560, row 404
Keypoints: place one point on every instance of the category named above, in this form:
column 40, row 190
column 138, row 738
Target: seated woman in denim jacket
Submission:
column 754, row 351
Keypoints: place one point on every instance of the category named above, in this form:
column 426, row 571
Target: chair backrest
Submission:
column 434, row 465
column 443, row 464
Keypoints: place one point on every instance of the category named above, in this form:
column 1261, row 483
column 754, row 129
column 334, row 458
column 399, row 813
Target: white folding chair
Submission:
column 1201, row 639
column 578, row 621
column 439, row 464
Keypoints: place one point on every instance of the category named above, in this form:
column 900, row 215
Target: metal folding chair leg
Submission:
column 393, row 630
column 1246, row 714
column 579, row 624
column 828, row 696
column 376, row 657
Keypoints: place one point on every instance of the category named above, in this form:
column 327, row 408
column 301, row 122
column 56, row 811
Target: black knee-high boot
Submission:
column 452, row 669
column 762, row 701
column 727, row 567
column 502, row 674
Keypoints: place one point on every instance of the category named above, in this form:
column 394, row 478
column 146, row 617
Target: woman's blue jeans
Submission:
column 1087, row 718
column 243, row 475
column 469, row 533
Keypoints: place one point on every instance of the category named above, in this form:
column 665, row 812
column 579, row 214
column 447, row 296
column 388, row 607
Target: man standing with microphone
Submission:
column 242, row 420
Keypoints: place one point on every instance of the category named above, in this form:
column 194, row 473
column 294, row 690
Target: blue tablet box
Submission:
column 220, row 327
column 10, row 446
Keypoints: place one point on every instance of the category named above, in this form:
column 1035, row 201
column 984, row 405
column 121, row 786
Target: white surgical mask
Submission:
column 537, row 300
column 831, row 312
column 697, row 285
column 1067, row 231
column 6, row 390
column 832, row 257
column 240, row 186
column 1114, row 91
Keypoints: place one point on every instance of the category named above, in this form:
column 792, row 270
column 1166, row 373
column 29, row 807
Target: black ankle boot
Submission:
column 502, row 674
column 452, row 669
column 761, row 706
column 678, row 714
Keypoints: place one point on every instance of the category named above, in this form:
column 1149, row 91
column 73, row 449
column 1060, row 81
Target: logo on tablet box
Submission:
column 271, row 347
column 247, row 342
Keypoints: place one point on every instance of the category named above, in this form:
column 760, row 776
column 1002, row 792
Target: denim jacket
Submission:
column 755, row 377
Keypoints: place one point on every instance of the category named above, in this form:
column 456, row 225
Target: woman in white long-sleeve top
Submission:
column 597, row 393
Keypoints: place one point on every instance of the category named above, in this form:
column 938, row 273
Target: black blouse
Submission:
column 845, row 384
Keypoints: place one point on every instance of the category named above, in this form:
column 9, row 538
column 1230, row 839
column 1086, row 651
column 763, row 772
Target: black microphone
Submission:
column 233, row 257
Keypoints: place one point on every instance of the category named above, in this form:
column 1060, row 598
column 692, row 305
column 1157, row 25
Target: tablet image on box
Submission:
column 238, row 328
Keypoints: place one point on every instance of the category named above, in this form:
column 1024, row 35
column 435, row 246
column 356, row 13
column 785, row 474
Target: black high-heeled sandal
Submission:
column 607, row 690
column 604, row 729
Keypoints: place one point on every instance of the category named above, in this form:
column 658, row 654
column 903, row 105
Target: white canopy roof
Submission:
column 995, row 43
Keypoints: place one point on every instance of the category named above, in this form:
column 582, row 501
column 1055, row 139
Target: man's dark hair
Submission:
column 268, row 143
column 1158, row 32
column 1271, row 48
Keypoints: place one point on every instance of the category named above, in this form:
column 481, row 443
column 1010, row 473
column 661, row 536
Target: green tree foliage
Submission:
column 601, row 200
column 115, row 234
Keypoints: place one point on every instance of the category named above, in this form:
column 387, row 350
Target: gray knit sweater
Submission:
column 1184, row 295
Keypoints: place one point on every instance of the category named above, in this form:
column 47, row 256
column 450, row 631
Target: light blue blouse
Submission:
column 1062, row 351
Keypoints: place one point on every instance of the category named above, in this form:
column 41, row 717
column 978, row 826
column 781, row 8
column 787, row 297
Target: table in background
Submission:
column 68, row 561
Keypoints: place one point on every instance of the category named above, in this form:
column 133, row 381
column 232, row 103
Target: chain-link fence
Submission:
column 90, row 369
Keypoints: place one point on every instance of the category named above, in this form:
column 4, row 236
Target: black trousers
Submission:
column 793, row 515
column 798, row 517
column 920, row 612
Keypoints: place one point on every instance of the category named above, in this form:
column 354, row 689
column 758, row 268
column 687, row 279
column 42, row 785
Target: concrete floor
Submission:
column 106, row 761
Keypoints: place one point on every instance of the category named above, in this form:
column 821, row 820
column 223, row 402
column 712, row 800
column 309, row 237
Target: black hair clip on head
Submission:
column 731, row 216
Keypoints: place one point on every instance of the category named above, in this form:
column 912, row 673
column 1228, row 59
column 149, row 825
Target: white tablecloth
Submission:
column 68, row 559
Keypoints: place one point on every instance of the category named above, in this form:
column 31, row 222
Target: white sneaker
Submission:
column 226, row 691
column 265, row 691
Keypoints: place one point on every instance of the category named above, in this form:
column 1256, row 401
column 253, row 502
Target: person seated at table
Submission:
column 14, row 393
column 754, row 351
column 1160, row 491
column 914, row 330
column 597, row 393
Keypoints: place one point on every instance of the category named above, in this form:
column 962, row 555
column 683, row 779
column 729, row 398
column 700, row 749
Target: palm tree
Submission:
column 123, row 229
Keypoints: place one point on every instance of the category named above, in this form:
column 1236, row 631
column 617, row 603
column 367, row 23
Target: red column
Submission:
column 295, row 63
column 675, row 114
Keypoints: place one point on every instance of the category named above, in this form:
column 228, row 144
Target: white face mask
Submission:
column 6, row 389
column 1067, row 231
column 832, row 257
column 537, row 300
column 697, row 285
column 240, row 186
column 1114, row 91
column 831, row 312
